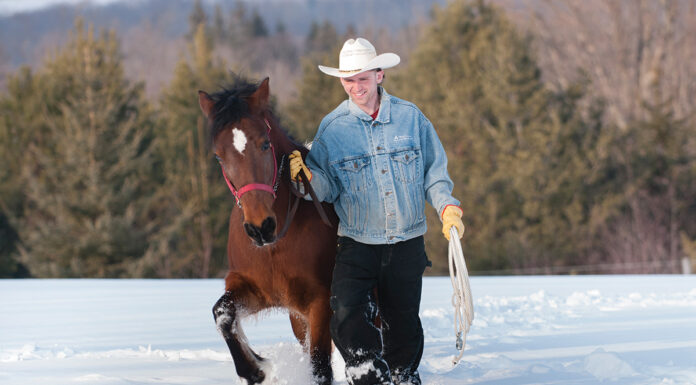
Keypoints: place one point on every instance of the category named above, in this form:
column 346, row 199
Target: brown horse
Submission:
column 266, row 268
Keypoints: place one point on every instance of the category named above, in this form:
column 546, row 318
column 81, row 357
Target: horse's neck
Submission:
column 284, row 144
column 283, row 147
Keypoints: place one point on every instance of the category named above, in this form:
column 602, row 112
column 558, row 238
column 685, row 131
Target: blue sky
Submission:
column 13, row 6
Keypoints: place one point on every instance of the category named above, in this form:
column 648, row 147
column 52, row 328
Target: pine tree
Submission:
column 219, row 27
column 257, row 27
column 197, row 200
column 474, row 75
column 9, row 266
column 21, row 124
column 321, row 38
column 196, row 18
column 87, row 205
column 318, row 93
column 654, row 219
column 237, row 26
column 568, row 180
column 280, row 28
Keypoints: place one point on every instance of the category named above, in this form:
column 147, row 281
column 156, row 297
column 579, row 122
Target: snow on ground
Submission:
column 527, row 330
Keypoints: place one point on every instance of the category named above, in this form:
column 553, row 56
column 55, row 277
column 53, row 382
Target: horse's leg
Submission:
column 299, row 328
column 238, row 296
column 320, row 340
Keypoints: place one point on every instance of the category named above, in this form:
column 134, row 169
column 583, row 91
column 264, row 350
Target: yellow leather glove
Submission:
column 452, row 216
column 297, row 164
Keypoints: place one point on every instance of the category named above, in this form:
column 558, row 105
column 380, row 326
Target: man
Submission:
column 378, row 159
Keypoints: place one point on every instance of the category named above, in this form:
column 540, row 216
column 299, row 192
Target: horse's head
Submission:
column 240, row 131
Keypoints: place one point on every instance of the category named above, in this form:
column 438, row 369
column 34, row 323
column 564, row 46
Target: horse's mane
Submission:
column 230, row 104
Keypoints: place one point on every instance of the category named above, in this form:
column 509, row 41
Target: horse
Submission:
column 269, row 268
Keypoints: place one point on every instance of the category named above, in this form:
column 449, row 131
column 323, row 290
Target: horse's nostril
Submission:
column 263, row 234
column 268, row 229
column 268, row 226
column 252, row 230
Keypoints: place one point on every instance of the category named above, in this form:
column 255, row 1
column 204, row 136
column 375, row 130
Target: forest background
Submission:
column 569, row 126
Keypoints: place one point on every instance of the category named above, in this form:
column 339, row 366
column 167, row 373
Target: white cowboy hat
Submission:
column 357, row 56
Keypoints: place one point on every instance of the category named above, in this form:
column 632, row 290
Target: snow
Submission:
column 527, row 330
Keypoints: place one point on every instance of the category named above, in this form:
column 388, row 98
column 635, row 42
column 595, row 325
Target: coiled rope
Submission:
column 461, row 297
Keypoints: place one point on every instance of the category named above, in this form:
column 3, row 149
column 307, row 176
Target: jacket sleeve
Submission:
column 437, row 183
column 323, row 180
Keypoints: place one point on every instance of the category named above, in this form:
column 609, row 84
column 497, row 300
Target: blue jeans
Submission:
column 391, row 349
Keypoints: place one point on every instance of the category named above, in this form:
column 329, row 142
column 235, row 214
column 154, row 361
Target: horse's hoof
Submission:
column 322, row 381
column 324, row 378
column 255, row 378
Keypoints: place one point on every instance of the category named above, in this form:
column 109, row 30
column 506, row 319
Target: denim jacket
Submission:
column 379, row 173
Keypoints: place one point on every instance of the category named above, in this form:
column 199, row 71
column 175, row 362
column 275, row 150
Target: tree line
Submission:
column 97, row 180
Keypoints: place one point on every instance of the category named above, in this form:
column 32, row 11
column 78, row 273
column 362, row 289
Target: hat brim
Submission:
column 383, row 61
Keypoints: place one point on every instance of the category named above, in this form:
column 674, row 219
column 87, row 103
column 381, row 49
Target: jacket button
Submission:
column 384, row 171
column 355, row 164
column 387, row 193
column 379, row 148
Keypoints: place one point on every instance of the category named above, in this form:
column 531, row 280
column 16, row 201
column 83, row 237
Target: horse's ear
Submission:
column 206, row 103
column 258, row 101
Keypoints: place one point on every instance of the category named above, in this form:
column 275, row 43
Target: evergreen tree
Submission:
column 318, row 93
column 654, row 219
column 257, row 27
column 474, row 75
column 21, row 124
column 196, row 18
column 255, row 48
column 274, row 51
column 197, row 200
column 219, row 27
column 280, row 28
column 9, row 266
column 321, row 38
column 566, row 181
column 87, row 203
column 238, row 32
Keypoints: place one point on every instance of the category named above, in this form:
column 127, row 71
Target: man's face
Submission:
column 362, row 89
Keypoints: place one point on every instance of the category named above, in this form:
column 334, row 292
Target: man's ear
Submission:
column 380, row 76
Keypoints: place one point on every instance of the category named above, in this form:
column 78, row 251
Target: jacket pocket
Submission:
column 406, row 165
column 355, row 174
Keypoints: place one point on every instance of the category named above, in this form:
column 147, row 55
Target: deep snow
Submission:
column 527, row 330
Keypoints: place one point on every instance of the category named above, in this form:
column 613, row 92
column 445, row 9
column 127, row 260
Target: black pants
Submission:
column 393, row 352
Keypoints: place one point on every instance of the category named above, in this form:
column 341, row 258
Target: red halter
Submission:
column 256, row 186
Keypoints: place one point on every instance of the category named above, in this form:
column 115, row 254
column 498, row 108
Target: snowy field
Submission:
column 528, row 330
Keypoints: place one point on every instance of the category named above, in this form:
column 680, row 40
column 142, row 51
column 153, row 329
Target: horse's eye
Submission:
column 266, row 145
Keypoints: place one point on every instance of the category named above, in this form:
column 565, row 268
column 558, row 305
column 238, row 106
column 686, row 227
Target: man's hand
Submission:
column 297, row 164
column 452, row 216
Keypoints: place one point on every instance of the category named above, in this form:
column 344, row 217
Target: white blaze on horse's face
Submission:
column 239, row 140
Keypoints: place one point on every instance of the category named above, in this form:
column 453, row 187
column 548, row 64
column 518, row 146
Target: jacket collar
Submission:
column 384, row 108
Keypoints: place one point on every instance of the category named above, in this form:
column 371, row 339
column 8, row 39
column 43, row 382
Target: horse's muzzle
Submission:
column 262, row 235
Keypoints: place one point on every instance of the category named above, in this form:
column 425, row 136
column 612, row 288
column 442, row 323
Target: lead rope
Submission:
column 461, row 297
